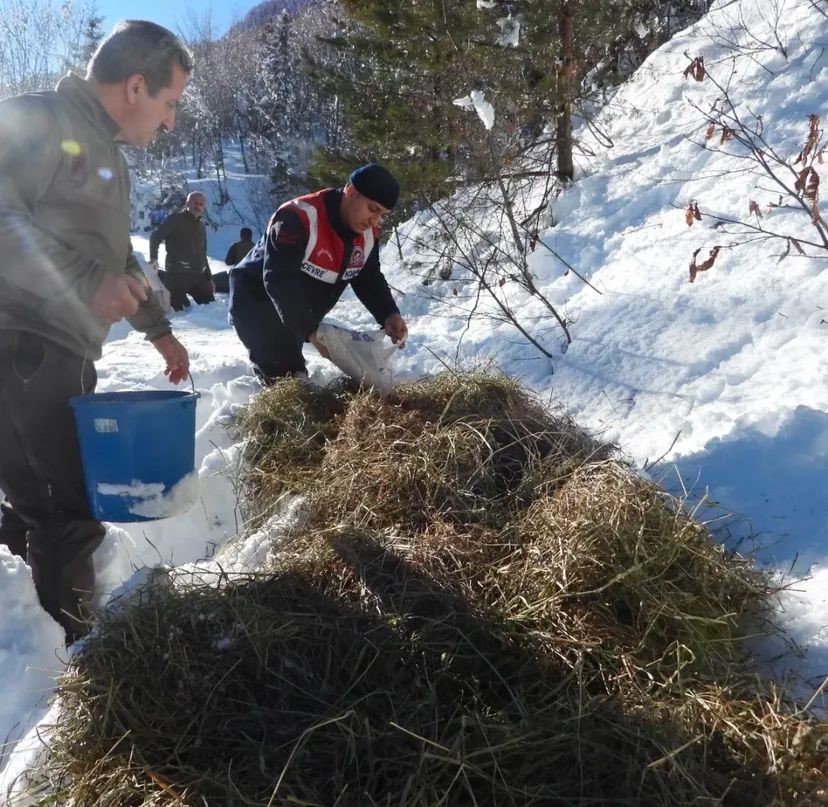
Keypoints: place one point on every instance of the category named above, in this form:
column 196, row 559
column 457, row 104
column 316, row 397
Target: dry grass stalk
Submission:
column 286, row 428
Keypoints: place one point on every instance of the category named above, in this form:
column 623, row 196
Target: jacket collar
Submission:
column 80, row 93
column 333, row 199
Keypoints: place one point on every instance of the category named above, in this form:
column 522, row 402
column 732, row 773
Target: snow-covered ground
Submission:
column 723, row 381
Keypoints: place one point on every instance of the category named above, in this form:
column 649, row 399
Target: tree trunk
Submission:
column 243, row 153
column 565, row 168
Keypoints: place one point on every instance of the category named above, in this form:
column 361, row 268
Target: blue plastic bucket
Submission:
column 138, row 452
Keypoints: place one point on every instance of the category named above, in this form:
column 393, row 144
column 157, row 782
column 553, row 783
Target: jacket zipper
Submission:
column 346, row 257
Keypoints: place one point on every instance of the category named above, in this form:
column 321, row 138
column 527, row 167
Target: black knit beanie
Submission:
column 377, row 184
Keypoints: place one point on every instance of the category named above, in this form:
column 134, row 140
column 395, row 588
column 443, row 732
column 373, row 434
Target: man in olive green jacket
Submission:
column 186, row 268
column 67, row 273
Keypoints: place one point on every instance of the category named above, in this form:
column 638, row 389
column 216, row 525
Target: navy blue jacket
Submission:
column 274, row 267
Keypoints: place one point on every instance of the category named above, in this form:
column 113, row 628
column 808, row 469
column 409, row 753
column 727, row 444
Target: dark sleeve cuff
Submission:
column 154, row 335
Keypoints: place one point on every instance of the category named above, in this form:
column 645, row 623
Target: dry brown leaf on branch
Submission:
column 711, row 259
column 695, row 69
column 815, row 217
column 812, row 188
column 693, row 268
column 753, row 209
column 727, row 134
column 807, row 183
column 811, row 141
column 787, row 251
column 813, row 135
column 711, row 130
column 705, row 265
column 802, row 180
column 692, row 213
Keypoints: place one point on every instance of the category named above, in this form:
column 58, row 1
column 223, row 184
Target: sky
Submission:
column 717, row 388
column 176, row 16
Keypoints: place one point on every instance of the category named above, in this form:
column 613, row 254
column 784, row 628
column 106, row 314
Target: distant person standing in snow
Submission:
column 314, row 246
column 240, row 248
column 67, row 272
column 221, row 280
column 187, row 270
column 157, row 216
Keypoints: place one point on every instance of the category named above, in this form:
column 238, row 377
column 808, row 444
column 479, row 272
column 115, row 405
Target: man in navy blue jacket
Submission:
column 313, row 247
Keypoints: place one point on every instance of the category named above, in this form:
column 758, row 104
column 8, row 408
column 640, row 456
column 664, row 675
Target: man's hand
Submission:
column 396, row 328
column 175, row 355
column 117, row 297
column 323, row 351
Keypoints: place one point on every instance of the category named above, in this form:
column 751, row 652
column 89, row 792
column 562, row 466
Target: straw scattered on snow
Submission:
column 487, row 608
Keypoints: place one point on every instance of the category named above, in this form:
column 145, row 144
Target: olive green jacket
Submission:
column 185, row 239
column 64, row 217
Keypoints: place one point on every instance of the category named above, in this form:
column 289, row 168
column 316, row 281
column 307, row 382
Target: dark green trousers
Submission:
column 46, row 508
column 180, row 284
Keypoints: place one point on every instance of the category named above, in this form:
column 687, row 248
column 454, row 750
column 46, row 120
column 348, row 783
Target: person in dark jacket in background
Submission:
column 240, row 248
column 187, row 270
column 157, row 216
column 221, row 280
column 314, row 246
column 67, row 272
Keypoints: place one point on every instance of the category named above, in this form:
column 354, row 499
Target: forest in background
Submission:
column 309, row 88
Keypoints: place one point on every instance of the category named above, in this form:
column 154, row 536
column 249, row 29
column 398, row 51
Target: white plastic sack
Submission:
column 156, row 286
column 360, row 354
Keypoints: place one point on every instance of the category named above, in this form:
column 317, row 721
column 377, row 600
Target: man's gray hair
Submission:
column 139, row 46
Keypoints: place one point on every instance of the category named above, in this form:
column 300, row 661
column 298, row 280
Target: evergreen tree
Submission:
column 413, row 58
column 289, row 114
column 92, row 35
column 407, row 65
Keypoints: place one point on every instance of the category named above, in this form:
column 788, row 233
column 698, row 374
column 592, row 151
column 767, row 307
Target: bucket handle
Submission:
column 192, row 384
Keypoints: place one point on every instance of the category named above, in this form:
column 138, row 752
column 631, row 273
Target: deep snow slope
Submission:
column 724, row 377
column 724, row 380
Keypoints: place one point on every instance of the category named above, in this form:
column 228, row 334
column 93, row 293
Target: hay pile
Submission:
column 287, row 429
column 464, row 450
column 486, row 608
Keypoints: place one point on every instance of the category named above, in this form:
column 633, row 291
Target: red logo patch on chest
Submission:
column 357, row 258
